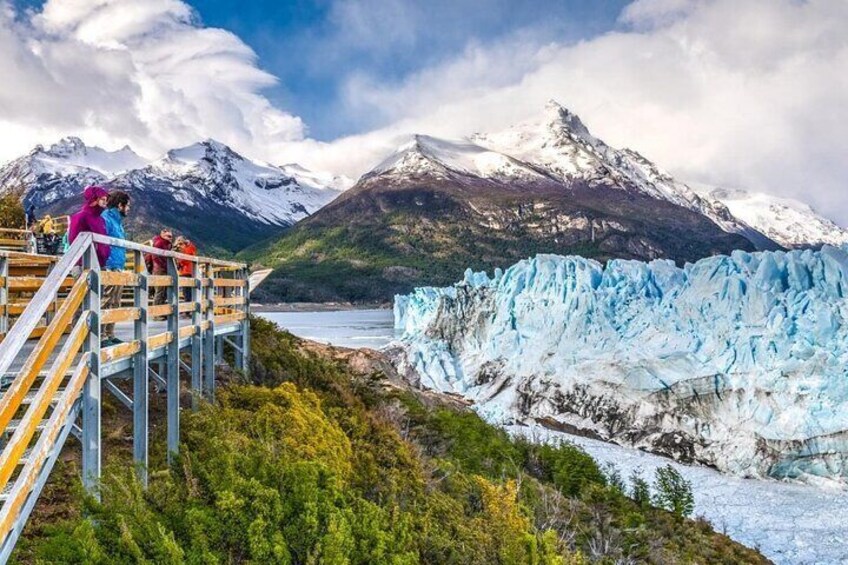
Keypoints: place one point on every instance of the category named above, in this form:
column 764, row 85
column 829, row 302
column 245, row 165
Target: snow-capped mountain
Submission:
column 561, row 144
column 206, row 190
column 211, row 171
column 557, row 149
column 435, row 206
column 734, row 361
column 789, row 222
column 45, row 176
column 442, row 158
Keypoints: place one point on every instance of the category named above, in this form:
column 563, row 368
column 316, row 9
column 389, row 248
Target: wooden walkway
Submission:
column 54, row 369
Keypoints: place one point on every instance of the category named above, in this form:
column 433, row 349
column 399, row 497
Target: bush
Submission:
column 568, row 467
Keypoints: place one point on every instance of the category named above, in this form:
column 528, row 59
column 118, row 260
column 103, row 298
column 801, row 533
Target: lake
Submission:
column 345, row 328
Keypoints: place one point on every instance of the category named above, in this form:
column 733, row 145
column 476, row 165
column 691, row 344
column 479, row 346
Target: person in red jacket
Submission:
column 186, row 247
column 89, row 219
column 185, row 266
column 160, row 264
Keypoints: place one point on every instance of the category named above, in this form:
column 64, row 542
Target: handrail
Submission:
column 17, row 336
column 161, row 252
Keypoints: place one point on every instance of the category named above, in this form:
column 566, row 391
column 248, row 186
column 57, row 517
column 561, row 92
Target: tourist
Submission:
column 158, row 264
column 90, row 219
column 30, row 216
column 117, row 208
column 185, row 266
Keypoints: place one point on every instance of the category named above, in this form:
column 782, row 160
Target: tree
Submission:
column 640, row 490
column 673, row 492
column 11, row 212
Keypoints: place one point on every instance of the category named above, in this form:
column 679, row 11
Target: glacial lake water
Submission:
column 344, row 328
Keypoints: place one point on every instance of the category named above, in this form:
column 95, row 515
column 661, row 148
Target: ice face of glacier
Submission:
column 738, row 361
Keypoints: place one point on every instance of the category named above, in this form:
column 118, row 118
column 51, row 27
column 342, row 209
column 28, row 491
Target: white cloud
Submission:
column 750, row 93
column 142, row 72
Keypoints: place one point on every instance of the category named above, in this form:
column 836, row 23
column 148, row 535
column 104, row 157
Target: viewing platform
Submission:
column 54, row 367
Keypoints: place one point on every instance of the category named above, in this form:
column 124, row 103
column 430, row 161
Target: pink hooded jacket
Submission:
column 89, row 219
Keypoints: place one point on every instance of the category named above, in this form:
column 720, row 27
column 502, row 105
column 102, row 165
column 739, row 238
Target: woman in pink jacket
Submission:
column 89, row 219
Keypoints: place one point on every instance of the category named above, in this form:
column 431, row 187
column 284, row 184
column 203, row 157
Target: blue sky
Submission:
column 315, row 46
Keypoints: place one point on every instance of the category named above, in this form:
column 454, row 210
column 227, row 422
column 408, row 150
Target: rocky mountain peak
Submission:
column 68, row 146
column 560, row 119
column 208, row 150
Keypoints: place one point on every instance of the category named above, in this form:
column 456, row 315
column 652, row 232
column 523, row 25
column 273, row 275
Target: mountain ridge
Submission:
column 206, row 190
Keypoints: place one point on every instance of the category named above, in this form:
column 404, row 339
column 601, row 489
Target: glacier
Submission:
column 737, row 362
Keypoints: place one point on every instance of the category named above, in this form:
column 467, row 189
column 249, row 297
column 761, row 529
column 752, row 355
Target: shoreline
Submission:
column 317, row 307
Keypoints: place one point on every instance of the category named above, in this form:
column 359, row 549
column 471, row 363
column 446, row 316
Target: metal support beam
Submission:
column 219, row 350
column 172, row 362
column 92, row 391
column 244, row 354
column 118, row 393
column 4, row 294
column 141, row 381
column 160, row 382
column 209, row 337
column 235, row 347
column 197, row 340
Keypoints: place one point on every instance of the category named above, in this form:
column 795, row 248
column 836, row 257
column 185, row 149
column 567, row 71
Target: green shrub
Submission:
column 568, row 467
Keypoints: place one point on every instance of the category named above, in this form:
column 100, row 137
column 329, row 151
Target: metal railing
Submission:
column 64, row 313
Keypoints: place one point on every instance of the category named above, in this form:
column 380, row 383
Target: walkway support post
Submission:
column 197, row 339
column 209, row 337
column 4, row 294
column 243, row 356
column 172, row 361
column 92, row 391
column 141, row 380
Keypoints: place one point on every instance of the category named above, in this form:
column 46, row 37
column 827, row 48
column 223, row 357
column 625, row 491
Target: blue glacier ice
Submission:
column 737, row 361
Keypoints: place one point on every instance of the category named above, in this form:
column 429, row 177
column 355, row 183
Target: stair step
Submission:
column 13, row 426
column 30, row 396
column 6, row 382
column 7, row 490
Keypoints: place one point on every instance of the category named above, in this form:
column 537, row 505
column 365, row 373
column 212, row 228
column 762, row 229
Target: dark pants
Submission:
column 111, row 299
column 160, row 293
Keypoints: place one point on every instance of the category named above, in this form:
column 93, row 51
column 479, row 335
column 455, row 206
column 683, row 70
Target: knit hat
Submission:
column 92, row 193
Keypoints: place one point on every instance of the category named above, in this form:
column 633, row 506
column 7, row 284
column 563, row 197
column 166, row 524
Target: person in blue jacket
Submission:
column 117, row 208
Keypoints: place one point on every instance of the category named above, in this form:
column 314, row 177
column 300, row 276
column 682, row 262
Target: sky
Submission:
column 737, row 93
